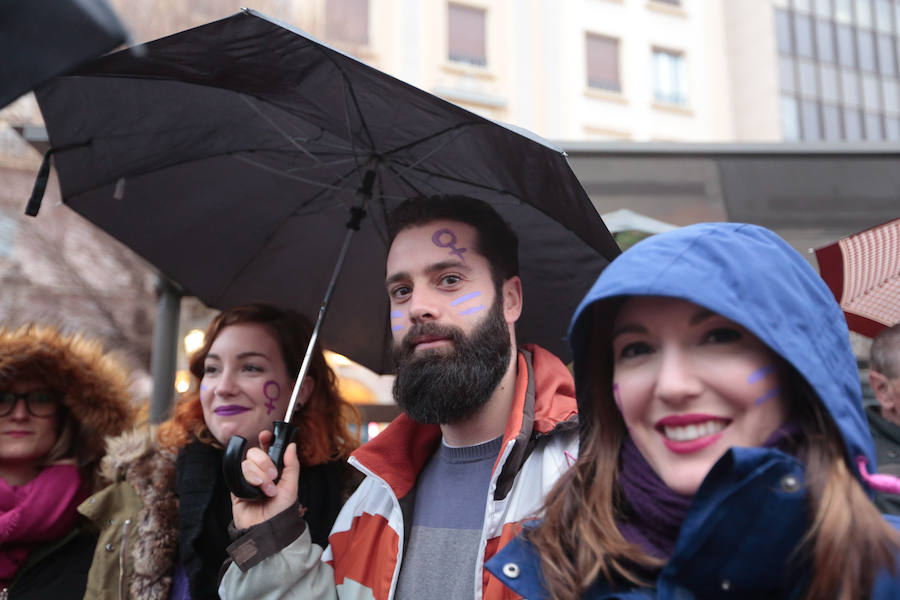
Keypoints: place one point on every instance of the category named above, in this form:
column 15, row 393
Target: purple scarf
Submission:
column 656, row 512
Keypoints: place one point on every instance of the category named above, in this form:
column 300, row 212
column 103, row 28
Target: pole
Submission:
column 165, row 347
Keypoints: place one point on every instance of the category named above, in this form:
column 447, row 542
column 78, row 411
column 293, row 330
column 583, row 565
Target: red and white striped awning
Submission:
column 863, row 273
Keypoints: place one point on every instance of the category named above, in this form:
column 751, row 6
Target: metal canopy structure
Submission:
column 810, row 194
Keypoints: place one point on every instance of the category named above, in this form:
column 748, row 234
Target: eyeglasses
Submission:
column 39, row 403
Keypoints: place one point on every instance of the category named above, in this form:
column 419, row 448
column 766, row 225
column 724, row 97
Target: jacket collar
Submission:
column 738, row 536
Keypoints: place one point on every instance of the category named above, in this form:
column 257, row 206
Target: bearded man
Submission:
column 487, row 429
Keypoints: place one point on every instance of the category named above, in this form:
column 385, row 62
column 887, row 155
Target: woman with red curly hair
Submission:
column 242, row 382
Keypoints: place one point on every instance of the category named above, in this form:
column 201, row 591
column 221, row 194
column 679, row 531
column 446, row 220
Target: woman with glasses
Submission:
column 60, row 396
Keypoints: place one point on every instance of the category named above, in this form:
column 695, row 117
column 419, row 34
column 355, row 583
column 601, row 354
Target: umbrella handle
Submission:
column 237, row 450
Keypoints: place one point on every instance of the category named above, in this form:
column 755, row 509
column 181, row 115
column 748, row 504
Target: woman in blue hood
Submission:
column 724, row 449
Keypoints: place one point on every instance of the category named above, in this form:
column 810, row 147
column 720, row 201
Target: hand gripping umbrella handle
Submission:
column 237, row 450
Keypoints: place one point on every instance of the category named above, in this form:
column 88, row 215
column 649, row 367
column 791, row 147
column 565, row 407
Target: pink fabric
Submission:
column 878, row 481
column 42, row 510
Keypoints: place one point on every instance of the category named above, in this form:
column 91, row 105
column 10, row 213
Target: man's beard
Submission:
column 437, row 386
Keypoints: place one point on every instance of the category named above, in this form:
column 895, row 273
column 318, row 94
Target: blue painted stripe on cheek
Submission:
column 465, row 298
column 396, row 327
column 396, row 314
column 472, row 310
column 768, row 395
column 761, row 374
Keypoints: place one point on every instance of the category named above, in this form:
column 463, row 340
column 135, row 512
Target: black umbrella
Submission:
column 229, row 156
column 232, row 156
column 39, row 40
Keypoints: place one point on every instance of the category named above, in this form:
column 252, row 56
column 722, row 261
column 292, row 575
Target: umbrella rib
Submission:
column 281, row 223
column 422, row 140
column 277, row 128
column 456, row 130
column 264, row 167
column 456, row 180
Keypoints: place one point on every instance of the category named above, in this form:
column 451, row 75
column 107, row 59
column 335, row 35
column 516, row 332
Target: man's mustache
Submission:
column 431, row 329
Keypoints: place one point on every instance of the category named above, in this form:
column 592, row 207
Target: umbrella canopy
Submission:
column 39, row 40
column 863, row 272
column 229, row 156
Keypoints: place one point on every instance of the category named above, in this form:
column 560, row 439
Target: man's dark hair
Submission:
column 885, row 348
column 494, row 238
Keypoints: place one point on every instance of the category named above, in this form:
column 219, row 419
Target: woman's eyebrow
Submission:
column 628, row 328
column 702, row 315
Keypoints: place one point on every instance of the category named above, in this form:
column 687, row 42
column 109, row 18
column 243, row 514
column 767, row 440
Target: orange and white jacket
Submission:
column 366, row 544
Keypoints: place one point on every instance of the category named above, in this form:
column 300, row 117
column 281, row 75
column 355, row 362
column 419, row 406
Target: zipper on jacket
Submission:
column 122, row 545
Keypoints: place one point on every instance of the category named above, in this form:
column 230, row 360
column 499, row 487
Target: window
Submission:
column 866, row 44
column 831, row 117
column 887, row 64
column 864, row 13
column 783, row 32
column 852, row 125
column 829, row 79
column 873, row 126
column 810, row 115
column 603, row 62
column 842, row 11
column 871, row 92
column 846, row 56
column 883, row 17
column 808, row 85
column 669, row 77
column 850, row 87
column 347, row 21
column 803, row 32
column 790, row 120
column 786, row 75
column 892, row 129
column 466, row 34
column 824, row 40
column 823, row 8
column 891, row 90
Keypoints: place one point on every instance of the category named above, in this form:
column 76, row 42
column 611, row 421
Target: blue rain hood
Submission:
column 751, row 276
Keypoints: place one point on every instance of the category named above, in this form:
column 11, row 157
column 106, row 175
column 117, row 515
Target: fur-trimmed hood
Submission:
column 94, row 385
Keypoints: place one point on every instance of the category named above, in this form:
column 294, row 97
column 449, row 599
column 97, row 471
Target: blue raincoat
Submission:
column 750, row 512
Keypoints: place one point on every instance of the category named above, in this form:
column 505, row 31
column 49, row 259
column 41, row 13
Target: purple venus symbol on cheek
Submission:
column 759, row 375
column 450, row 237
column 466, row 298
column 272, row 391
column 396, row 314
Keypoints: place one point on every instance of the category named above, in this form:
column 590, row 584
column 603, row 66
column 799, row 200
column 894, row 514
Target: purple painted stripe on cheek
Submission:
column 768, row 395
column 472, row 310
column 761, row 374
column 203, row 388
column 396, row 327
column 465, row 298
column 396, row 314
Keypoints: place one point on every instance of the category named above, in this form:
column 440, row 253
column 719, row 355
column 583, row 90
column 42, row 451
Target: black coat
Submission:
column 204, row 510
column 57, row 569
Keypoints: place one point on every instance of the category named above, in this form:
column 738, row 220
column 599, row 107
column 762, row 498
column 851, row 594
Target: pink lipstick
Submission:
column 684, row 434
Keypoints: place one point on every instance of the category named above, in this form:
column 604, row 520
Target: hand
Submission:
column 259, row 470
